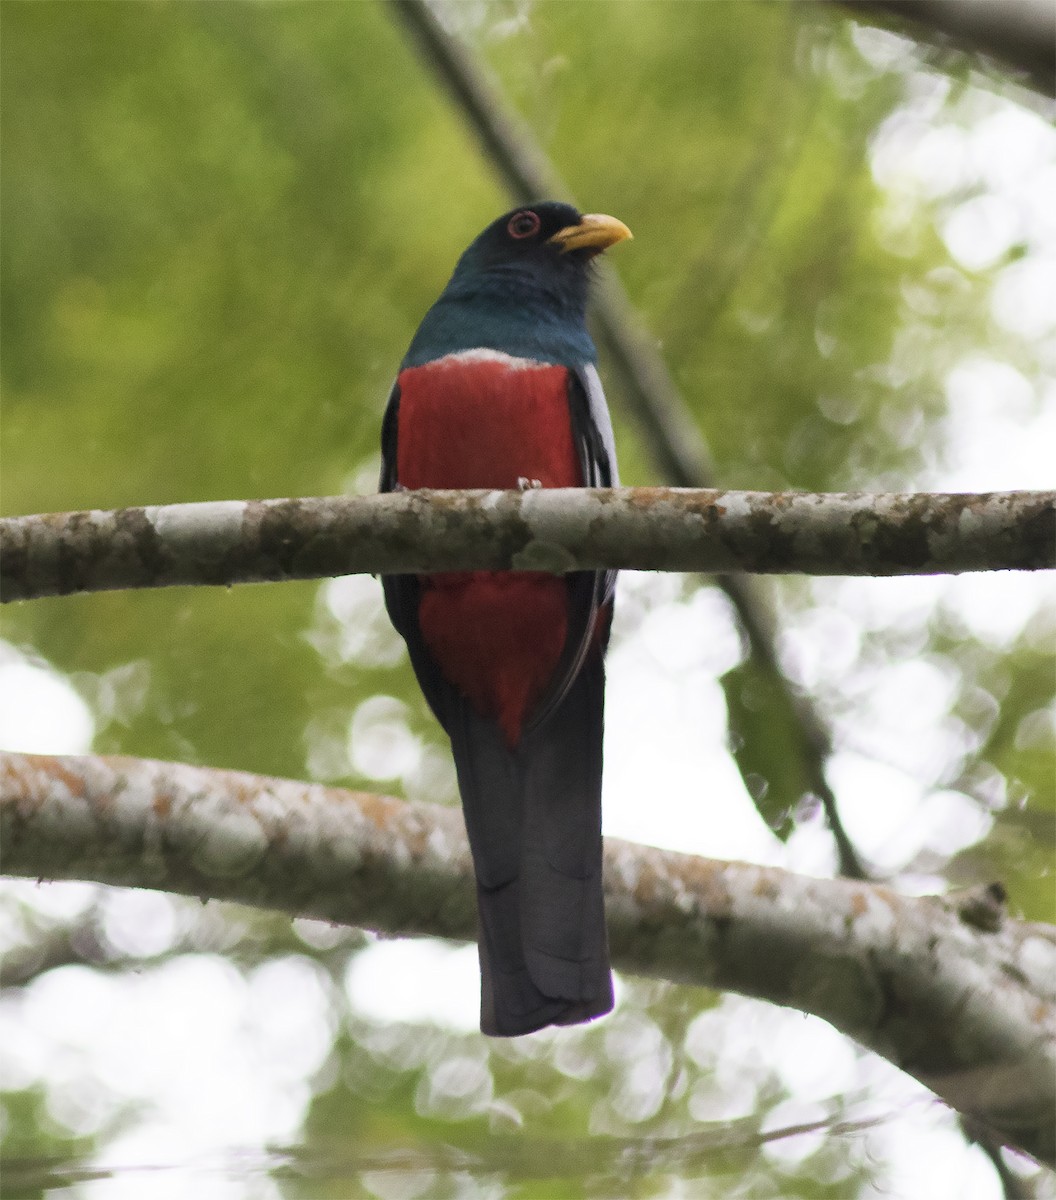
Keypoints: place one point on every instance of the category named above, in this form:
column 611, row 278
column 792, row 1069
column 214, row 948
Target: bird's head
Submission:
column 544, row 239
column 521, row 287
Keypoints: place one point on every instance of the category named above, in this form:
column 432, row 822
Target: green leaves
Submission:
column 767, row 743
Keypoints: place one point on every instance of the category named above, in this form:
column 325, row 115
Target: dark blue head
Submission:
column 521, row 287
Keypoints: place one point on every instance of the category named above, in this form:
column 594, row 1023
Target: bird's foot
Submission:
column 526, row 485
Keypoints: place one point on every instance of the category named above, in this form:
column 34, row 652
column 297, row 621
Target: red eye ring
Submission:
column 523, row 224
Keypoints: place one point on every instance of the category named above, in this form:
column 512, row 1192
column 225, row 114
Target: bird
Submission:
column 500, row 389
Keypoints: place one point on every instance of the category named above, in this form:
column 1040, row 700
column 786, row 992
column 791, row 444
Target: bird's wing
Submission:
column 592, row 430
column 590, row 592
column 403, row 592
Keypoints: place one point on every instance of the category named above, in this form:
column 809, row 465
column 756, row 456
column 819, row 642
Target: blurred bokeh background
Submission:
column 221, row 224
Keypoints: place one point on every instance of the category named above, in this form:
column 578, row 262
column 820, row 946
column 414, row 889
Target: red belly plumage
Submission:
column 485, row 421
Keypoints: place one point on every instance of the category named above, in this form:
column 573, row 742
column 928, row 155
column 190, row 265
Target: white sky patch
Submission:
column 823, row 644
column 981, row 231
column 995, row 606
column 350, row 623
column 1024, row 296
column 385, row 983
column 669, row 778
column 40, row 712
column 380, row 744
column 53, row 901
column 214, row 1059
column 929, row 1156
column 142, row 1164
column 878, row 804
column 138, row 922
column 995, row 434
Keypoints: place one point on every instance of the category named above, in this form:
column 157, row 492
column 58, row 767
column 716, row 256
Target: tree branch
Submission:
column 1018, row 34
column 542, row 529
column 948, row 989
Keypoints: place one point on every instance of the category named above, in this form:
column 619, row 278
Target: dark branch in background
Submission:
column 948, row 989
column 1017, row 34
column 544, row 529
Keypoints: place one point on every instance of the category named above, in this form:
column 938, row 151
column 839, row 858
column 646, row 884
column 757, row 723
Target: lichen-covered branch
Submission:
column 950, row 990
column 544, row 529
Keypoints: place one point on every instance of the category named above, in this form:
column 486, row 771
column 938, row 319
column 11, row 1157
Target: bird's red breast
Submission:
column 484, row 420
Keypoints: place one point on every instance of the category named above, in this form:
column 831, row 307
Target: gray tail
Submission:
column 534, row 822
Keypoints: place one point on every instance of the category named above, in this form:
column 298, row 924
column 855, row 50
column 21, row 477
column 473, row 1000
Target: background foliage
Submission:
column 222, row 223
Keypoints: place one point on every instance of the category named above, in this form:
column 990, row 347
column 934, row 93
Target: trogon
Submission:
column 499, row 389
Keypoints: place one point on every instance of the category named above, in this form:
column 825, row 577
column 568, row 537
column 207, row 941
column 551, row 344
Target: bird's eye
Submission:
column 523, row 224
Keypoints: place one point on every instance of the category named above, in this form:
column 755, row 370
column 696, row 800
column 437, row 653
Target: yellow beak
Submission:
column 595, row 231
